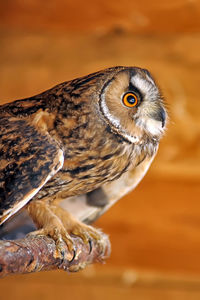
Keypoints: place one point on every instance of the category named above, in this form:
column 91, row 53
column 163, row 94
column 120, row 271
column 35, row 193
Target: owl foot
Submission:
column 88, row 234
column 61, row 238
column 60, row 225
column 74, row 227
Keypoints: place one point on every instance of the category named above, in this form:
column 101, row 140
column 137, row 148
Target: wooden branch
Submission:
column 39, row 253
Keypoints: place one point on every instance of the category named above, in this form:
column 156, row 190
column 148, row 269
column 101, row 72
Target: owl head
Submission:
column 131, row 104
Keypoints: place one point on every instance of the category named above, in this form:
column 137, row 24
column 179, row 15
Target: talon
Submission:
column 63, row 254
column 88, row 234
column 90, row 245
column 73, row 257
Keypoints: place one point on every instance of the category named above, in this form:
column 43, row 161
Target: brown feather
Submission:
column 74, row 139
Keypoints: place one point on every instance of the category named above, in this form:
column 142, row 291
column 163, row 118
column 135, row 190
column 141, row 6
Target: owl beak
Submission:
column 160, row 116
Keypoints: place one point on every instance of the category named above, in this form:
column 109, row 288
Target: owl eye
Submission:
column 130, row 99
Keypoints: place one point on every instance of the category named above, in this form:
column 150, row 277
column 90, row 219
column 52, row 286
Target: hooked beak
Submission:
column 160, row 115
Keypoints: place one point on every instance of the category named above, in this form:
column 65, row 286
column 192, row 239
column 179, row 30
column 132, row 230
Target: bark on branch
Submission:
column 39, row 253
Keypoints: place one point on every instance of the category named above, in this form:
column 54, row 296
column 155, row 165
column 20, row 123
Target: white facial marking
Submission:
column 154, row 127
column 151, row 126
column 150, row 79
column 147, row 86
column 115, row 121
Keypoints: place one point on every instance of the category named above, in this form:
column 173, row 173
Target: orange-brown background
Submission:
column 157, row 227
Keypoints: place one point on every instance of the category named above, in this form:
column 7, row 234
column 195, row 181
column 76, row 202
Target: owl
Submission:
column 96, row 136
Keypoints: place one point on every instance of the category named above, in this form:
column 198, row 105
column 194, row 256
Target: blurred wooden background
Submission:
column 156, row 229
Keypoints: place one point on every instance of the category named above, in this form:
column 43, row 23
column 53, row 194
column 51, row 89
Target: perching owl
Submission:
column 95, row 135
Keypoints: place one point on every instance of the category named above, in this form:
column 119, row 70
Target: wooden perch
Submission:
column 39, row 253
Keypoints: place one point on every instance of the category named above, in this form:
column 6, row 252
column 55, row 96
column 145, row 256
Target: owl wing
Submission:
column 113, row 191
column 28, row 159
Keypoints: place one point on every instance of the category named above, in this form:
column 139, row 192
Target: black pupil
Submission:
column 131, row 99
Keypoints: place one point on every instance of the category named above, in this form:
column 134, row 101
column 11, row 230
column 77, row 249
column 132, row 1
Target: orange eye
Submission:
column 130, row 99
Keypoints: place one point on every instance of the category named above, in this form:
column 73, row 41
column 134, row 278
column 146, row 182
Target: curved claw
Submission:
column 73, row 257
column 90, row 245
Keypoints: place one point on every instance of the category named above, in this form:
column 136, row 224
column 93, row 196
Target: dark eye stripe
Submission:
column 135, row 90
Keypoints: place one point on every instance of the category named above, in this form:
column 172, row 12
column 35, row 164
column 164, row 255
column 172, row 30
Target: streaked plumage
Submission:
column 80, row 136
